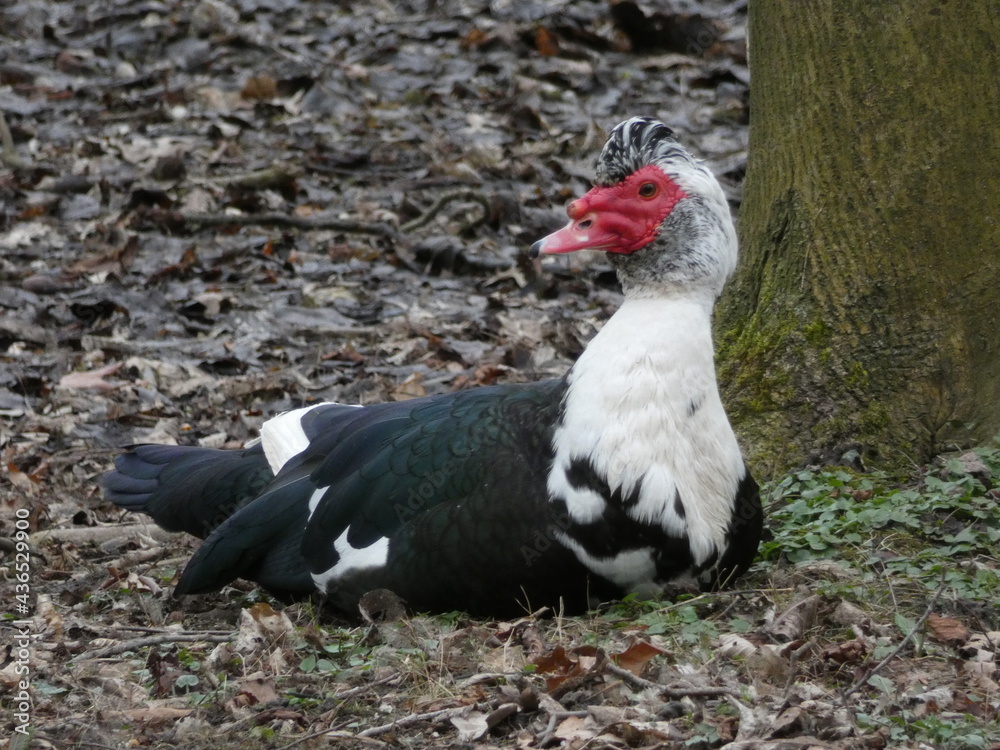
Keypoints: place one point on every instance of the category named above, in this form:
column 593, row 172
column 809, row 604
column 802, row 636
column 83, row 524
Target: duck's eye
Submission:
column 647, row 190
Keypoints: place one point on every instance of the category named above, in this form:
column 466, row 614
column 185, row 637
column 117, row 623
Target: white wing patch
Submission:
column 314, row 500
column 352, row 559
column 283, row 437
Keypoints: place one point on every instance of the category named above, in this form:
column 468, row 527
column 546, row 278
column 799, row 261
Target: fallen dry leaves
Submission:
column 947, row 630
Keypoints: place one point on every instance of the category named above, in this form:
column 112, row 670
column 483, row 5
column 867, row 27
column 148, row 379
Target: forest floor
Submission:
column 213, row 212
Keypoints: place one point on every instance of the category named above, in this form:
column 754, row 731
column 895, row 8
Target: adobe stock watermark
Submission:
column 20, row 702
column 425, row 492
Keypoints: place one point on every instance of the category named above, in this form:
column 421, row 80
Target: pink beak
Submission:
column 593, row 230
column 571, row 238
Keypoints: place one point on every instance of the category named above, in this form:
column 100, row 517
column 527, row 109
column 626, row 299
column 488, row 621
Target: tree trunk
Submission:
column 866, row 310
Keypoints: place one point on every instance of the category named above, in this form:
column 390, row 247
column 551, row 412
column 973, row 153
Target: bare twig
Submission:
column 277, row 175
column 406, row 721
column 780, row 744
column 554, row 718
column 902, row 644
column 10, row 546
column 793, row 671
column 577, row 681
column 138, row 557
column 286, row 220
column 8, row 153
column 164, row 631
column 668, row 691
column 550, row 731
column 100, row 534
column 141, row 348
column 152, row 640
column 79, row 743
column 482, row 677
column 556, row 712
column 466, row 194
column 336, row 734
column 277, row 218
column 362, row 689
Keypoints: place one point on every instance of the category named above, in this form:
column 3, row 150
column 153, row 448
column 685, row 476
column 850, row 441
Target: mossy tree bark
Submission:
column 866, row 310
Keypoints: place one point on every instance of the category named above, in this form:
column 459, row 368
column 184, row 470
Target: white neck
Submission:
column 643, row 406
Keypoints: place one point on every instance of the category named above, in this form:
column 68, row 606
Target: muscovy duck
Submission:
column 623, row 476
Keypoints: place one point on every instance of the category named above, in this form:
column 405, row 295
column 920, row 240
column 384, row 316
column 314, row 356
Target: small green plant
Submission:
column 632, row 607
column 682, row 623
column 188, row 660
column 951, row 732
column 332, row 649
column 314, row 664
column 186, row 681
column 943, row 524
column 705, row 736
column 302, row 701
column 896, row 541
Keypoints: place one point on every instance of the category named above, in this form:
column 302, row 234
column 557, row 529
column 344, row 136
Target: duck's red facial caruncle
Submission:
column 621, row 218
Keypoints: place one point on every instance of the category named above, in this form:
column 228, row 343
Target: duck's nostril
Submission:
column 585, row 224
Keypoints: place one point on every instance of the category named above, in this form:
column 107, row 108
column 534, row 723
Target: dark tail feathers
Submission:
column 186, row 488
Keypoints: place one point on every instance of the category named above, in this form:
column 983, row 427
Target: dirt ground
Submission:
column 212, row 212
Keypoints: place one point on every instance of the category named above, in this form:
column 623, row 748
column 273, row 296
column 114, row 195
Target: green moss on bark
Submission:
column 861, row 314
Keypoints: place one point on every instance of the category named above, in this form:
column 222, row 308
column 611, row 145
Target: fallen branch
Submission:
column 55, row 743
column 793, row 670
column 195, row 347
column 138, row 557
column 895, row 652
column 152, row 640
column 339, row 734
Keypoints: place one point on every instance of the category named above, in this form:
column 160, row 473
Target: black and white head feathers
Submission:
column 635, row 143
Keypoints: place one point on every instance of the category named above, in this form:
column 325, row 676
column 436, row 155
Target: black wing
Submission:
column 381, row 468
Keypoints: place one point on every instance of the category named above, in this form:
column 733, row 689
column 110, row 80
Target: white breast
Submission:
column 643, row 406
